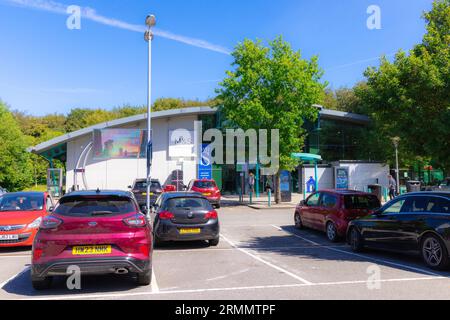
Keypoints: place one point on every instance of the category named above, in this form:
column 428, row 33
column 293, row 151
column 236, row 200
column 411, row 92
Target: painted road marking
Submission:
column 266, row 262
column 154, row 283
column 297, row 285
column 229, row 275
column 363, row 256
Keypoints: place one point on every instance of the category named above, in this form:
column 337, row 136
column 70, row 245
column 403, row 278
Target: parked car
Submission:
column 102, row 232
column 170, row 188
column 330, row 211
column 20, row 216
column 139, row 189
column 415, row 223
column 207, row 188
column 185, row 216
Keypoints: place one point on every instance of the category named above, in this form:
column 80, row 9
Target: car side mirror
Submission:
column 303, row 203
column 51, row 209
column 130, row 187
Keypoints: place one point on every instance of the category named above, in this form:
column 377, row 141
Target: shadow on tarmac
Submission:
column 22, row 287
column 289, row 245
column 15, row 251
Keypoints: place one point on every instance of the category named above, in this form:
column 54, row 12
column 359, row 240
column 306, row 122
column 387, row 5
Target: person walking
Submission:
column 392, row 187
column 251, row 182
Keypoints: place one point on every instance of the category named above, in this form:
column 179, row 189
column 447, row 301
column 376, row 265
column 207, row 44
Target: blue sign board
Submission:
column 342, row 178
column 311, row 185
column 205, row 163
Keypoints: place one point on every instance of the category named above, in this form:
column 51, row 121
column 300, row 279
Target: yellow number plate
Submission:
column 91, row 250
column 190, row 231
column 207, row 194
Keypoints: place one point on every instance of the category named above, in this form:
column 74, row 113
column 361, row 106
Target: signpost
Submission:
column 205, row 163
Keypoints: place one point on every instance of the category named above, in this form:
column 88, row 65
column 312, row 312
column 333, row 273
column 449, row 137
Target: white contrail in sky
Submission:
column 91, row 14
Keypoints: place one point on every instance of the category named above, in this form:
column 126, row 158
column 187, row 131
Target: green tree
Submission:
column 179, row 103
column 410, row 97
column 15, row 164
column 272, row 88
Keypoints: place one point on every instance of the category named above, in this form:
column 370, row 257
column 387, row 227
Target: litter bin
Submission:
column 377, row 190
column 413, row 186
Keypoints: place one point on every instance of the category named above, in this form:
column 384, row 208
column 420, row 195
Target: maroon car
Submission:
column 331, row 211
column 101, row 232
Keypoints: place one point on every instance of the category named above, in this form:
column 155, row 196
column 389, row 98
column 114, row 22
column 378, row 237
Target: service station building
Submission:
column 112, row 155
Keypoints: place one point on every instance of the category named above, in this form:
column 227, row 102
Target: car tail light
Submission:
column 212, row 215
column 166, row 215
column 137, row 221
column 50, row 222
column 37, row 253
column 144, row 249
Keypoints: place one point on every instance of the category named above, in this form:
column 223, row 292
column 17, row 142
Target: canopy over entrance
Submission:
column 309, row 157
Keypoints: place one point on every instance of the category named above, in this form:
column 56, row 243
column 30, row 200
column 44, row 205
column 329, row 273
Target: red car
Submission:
column 21, row 214
column 208, row 188
column 331, row 211
column 100, row 232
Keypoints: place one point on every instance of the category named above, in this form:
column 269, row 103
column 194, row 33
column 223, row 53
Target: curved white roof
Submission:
column 324, row 113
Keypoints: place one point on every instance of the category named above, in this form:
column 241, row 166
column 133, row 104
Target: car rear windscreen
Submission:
column 95, row 206
column 143, row 185
column 204, row 184
column 367, row 202
column 191, row 203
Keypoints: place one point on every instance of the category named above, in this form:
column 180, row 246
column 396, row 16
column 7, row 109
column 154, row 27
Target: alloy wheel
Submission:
column 331, row 231
column 432, row 251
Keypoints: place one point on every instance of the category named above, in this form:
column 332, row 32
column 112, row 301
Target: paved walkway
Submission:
column 262, row 203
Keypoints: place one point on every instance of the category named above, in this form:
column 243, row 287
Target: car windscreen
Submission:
column 204, row 184
column 188, row 203
column 365, row 202
column 79, row 206
column 143, row 185
column 9, row 202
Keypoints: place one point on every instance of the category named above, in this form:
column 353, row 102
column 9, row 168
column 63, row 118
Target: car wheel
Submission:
column 41, row 283
column 298, row 221
column 434, row 253
column 332, row 233
column 356, row 241
column 144, row 278
column 214, row 242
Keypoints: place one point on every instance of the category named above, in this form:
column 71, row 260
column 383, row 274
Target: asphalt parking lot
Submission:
column 261, row 256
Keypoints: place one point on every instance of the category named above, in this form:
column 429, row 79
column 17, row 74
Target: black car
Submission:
column 185, row 216
column 414, row 222
column 139, row 189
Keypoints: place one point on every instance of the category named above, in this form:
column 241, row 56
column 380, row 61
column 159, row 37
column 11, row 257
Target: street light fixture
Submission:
column 396, row 142
column 150, row 21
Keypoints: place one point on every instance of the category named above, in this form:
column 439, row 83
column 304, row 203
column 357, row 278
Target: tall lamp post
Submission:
column 150, row 21
column 396, row 142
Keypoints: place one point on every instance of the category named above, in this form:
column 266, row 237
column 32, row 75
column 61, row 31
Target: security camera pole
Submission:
column 150, row 21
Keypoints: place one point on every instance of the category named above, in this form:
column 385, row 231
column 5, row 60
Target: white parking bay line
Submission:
column 193, row 291
column 3, row 284
column 361, row 255
column 231, row 243
column 154, row 284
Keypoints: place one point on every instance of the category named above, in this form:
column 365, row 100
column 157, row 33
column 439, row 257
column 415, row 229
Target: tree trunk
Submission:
column 277, row 188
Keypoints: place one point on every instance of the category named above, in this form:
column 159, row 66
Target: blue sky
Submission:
column 47, row 68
